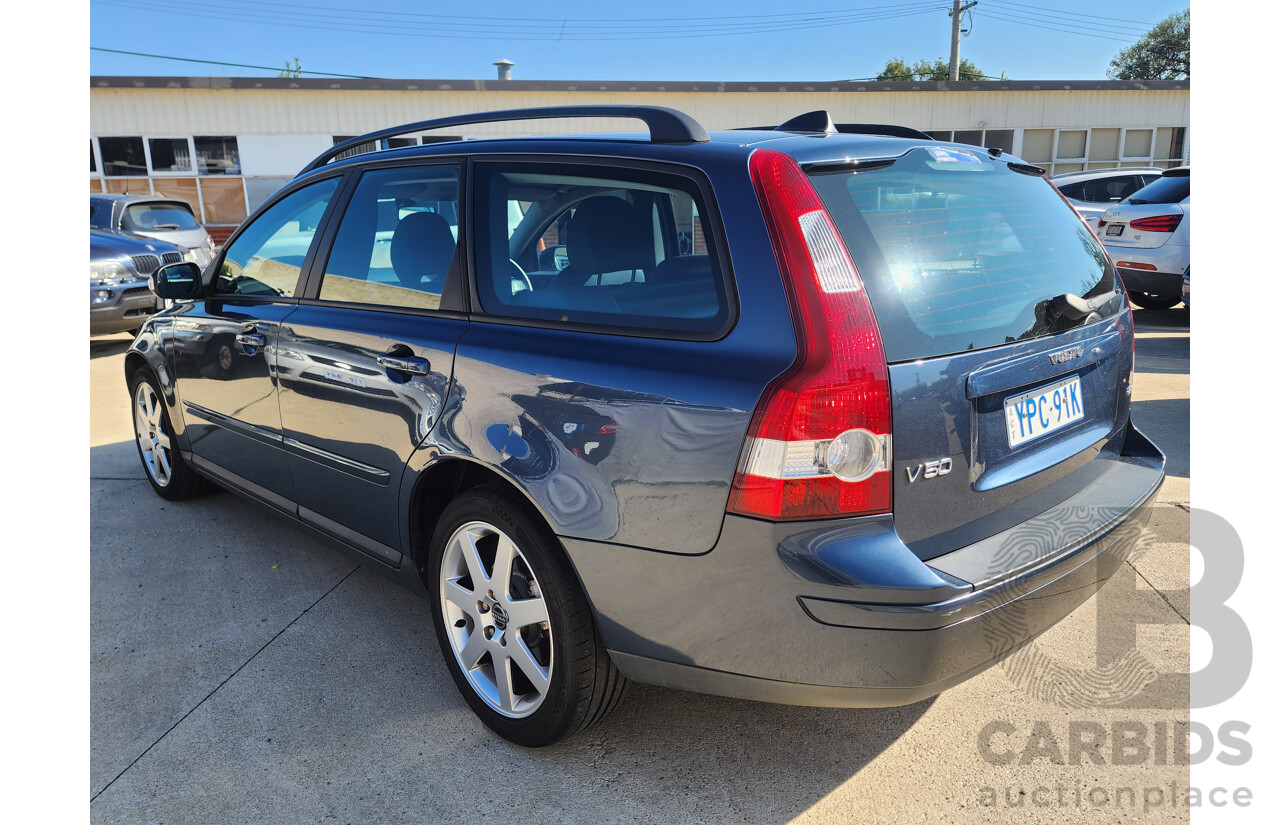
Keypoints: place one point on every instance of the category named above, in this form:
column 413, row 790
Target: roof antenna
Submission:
column 817, row 122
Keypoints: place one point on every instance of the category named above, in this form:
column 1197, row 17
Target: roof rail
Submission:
column 820, row 122
column 665, row 125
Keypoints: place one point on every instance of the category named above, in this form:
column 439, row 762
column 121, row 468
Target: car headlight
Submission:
column 108, row 273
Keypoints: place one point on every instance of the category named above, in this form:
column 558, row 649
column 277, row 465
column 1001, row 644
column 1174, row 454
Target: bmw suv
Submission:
column 790, row 415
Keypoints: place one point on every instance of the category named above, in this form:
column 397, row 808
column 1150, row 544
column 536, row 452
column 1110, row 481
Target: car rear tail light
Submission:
column 820, row 441
column 1159, row 223
column 1135, row 265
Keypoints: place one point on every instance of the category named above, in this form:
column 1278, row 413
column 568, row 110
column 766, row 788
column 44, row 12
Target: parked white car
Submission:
column 1095, row 191
column 1148, row 236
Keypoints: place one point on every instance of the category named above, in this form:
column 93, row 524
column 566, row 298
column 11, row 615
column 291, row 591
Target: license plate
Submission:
column 1115, row 229
column 1040, row 412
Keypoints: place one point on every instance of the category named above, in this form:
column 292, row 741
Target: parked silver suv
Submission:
column 165, row 219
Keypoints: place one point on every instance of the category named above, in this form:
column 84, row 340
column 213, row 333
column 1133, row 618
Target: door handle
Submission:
column 251, row 340
column 410, row 364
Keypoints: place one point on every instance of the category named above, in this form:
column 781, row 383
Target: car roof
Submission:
column 138, row 198
column 1104, row 173
column 804, row 147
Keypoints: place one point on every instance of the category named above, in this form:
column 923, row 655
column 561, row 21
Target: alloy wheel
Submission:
column 496, row 619
column 153, row 442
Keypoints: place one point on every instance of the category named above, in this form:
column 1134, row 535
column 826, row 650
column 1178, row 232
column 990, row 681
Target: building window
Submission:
column 1001, row 139
column 123, row 157
column 218, row 155
column 170, row 155
column 93, row 158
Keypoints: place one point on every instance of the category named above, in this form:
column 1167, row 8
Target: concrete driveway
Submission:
column 242, row 672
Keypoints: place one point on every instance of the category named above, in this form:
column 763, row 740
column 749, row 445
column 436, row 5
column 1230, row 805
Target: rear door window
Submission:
column 398, row 239
column 622, row 248
column 959, row 252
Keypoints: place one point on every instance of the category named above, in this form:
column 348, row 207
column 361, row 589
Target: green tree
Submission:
column 897, row 69
column 291, row 71
column 1164, row 53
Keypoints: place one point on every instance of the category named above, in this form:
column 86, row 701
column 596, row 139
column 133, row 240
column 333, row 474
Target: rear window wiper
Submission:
column 1070, row 310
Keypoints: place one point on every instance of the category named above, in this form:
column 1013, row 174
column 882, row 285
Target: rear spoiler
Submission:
column 820, row 122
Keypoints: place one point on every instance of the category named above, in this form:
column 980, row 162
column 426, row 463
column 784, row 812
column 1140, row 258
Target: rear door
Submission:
column 1000, row 407
column 365, row 362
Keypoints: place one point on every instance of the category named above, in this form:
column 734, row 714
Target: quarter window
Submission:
column 266, row 258
column 398, row 239
column 621, row 248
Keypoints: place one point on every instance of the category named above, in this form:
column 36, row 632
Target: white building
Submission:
column 224, row 144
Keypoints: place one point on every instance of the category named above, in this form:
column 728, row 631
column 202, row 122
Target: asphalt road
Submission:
column 242, row 672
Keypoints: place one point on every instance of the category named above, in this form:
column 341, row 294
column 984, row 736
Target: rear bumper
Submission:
column 1160, row 284
column 845, row 615
column 1170, row 261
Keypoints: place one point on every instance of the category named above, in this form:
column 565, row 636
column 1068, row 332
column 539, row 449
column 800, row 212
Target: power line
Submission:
column 1063, row 13
column 1067, row 25
column 339, row 20
column 1058, row 29
column 220, row 62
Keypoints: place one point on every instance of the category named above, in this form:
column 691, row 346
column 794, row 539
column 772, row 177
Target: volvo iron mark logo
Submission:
column 1066, row 355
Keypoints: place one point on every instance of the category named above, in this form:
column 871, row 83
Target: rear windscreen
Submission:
column 1164, row 190
column 960, row 252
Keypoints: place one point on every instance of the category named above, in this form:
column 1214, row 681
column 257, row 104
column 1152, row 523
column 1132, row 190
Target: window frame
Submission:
column 322, row 236
column 308, row 294
column 191, row 153
column 602, row 165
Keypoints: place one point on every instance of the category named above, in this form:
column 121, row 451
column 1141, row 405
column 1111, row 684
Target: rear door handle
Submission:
column 411, row 364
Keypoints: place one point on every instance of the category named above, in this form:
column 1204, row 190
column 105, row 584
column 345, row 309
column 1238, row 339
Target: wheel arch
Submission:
column 444, row 478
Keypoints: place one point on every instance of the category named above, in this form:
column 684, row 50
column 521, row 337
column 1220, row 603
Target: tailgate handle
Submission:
column 1031, row 369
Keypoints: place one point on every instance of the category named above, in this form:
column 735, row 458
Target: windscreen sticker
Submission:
column 952, row 156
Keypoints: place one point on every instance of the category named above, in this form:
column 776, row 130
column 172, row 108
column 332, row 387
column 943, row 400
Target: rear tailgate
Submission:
column 1002, row 407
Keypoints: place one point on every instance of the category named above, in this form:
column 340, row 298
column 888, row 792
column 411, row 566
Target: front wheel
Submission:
column 513, row 623
column 169, row 474
column 1148, row 301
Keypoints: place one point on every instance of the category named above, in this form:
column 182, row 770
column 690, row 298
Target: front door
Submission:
column 224, row 346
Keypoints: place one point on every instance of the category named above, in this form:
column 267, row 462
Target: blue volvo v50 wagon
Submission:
column 817, row 415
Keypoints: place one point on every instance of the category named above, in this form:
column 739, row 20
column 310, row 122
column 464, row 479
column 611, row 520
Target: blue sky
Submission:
column 574, row 39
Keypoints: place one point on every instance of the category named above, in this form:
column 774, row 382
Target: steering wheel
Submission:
column 521, row 284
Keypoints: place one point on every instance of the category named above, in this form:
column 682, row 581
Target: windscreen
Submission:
column 157, row 217
column 960, row 252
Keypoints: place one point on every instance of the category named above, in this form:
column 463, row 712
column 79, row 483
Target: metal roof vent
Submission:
column 504, row 68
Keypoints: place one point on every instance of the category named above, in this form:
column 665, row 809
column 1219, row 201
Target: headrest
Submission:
column 422, row 246
column 607, row 234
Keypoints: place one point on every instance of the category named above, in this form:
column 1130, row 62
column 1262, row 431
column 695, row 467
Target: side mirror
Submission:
column 553, row 258
column 177, row 282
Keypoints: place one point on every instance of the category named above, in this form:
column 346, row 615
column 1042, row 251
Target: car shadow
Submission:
column 104, row 346
column 1177, row 319
column 346, row 672
column 1169, row 355
column 1171, row 417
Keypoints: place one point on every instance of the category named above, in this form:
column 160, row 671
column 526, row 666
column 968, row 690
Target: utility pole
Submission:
column 956, row 10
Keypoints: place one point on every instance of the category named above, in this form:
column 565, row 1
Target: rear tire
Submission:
column 170, row 476
column 505, row 601
column 1149, row 301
